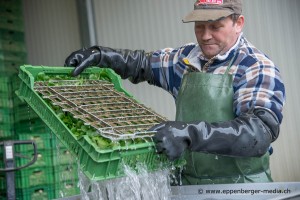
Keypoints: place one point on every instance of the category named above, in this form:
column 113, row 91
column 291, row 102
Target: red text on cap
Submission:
column 217, row 2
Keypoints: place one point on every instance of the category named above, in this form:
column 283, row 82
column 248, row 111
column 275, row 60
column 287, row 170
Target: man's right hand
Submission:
column 82, row 59
column 134, row 65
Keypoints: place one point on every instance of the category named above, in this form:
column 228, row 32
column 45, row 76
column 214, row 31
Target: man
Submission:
column 229, row 96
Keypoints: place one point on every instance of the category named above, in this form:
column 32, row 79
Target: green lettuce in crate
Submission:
column 77, row 126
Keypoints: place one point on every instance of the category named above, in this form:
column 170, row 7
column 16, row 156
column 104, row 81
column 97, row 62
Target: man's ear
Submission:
column 239, row 24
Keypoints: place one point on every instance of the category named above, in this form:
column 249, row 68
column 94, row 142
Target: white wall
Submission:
column 147, row 25
column 51, row 30
column 272, row 25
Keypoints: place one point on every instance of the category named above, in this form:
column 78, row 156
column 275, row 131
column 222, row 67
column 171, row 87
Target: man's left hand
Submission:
column 171, row 139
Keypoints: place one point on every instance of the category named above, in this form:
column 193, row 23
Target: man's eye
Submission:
column 199, row 28
column 215, row 27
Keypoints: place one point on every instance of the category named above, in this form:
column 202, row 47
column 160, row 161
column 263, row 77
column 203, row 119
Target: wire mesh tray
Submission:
column 96, row 102
column 117, row 121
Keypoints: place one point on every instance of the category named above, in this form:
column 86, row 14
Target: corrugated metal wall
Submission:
column 51, row 29
column 147, row 25
column 272, row 25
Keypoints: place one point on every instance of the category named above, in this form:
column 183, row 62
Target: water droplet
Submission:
column 137, row 184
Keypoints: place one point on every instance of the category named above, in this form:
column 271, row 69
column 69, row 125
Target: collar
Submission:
column 195, row 56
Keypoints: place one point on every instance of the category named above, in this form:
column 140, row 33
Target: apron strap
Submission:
column 231, row 62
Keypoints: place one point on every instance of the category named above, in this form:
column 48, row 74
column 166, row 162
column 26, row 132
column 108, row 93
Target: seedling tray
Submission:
column 121, row 122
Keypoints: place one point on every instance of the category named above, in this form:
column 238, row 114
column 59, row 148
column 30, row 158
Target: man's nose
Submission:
column 206, row 35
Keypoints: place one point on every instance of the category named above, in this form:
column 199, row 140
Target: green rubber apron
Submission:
column 209, row 97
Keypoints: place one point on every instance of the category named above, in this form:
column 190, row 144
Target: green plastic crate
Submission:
column 11, row 3
column 6, row 116
column 13, row 56
column 3, row 195
column 11, row 40
column 12, row 24
column 62, row 156
column 11, row 10
column 17, row 101
column 31, row 126
column 24, row 113
column 5, row 85
column 65, row 173
column 10, row 100
column 96, row 163
column 11, row 45
column 50, row 119
column 10, row 35
column 6, row 102
column 31, row 177
column 42, row 192
column 11, row 81
column 6, row 131
column 66, row 189
column 9, row 67
column 2, row 182
column 44, row 159
column 42, row 140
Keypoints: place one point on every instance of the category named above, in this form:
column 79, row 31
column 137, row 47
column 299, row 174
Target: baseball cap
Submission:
column 212, row 10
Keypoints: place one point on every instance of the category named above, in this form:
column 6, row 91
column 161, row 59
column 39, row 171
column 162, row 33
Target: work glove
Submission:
column 82, row 59
column 134, row 65
column 248, row 135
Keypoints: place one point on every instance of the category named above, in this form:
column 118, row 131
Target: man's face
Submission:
column 219, row 36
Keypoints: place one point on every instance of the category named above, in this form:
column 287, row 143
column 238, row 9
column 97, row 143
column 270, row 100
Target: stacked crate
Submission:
column 12, row 53
column 65, row 171
column 54, row 174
